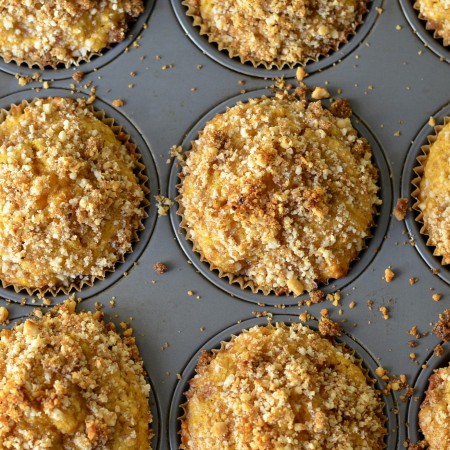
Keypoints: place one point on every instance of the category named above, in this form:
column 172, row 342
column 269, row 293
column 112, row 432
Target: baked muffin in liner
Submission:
column 277, row 33
column 436, row 14
column 266, row 206
column 432, row 190
column 53, row 32
column 281, row 387
column 73, row 195
column 68, row 380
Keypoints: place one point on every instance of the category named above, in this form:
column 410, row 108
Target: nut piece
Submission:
column 117, row 102
column 442, row 328
column 319, row 93
column 329, row 328
column 401, row 208
column 4, row 314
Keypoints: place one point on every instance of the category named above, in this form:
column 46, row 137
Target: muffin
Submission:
column 69, row 381
column 277, row 32
column 71, row 195
column 433, row 188
column 281, row 388
column 437, row 15
column 279, row 194
column 434, row 411
column 50, row 32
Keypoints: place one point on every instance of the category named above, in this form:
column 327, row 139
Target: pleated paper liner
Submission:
column 434, row 26
column 81, row 281
column 345, row 343
column 36, row 314
column 419, row 171
column 193, row 11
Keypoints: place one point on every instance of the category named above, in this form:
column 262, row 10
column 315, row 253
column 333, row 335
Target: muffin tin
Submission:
column 171, row 81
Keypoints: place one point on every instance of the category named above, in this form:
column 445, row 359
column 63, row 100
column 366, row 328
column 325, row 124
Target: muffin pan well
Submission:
column 169, row 85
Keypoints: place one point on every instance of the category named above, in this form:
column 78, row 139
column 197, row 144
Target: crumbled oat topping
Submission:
column 389, row 275
column 437, row 15
column 281, row 388
column 279, row 192
column 48, row 32
column 401, row 208
column 277, row 31
column 67, row 381
column 70, row 201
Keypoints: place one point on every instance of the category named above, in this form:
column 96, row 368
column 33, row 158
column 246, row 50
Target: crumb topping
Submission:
column 437, row 15
column 442, row 328
column 277, row 31
column 67, row 381
column 48, row 32
column 434, row 198
column 434, row 412
column 70, row 202
column 279, row 192
column 281, row 388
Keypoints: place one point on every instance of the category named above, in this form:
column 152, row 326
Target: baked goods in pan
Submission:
column 437, row 15
column 69, row 381
column 277, row 32
column 279, row 194
column 49, row 32
column 281, row 387
column 71, row 195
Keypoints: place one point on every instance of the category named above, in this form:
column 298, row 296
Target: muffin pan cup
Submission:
column 169, row 87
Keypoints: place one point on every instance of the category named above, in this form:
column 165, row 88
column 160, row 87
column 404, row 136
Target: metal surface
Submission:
column 394, row 83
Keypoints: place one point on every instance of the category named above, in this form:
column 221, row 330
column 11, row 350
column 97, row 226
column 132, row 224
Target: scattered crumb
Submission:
column 380, row 11
column 401, row 208
column 341, row 108
column 4, row 314
column 369, row 304
column 241, row 82
column 352, row 305
column 414, row 332
column 159, row 267
column 167, row 66
column 436, row 297
column 300, row 74
column 398, row 27
column 78, row 76
column 412, row 344
column 385, row 312
column 133, row 74
column 432, row 122
column 324, row 312
column 442, row 328
column 389, row 275
column 412, row 280
column 199, row 66
column 380, row 371
column 117, row 102
column 190, row 293
column 397, row 134
column 334, row 298
column 329, row 328
column 304, row 317
column 164, row 203
column 320, row 93
column 412, row 356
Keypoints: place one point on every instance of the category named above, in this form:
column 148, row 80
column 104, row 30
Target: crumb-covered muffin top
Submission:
column 433, row 197
column 434, row 413
column 70, row 200
column 280, row 193
column 437, row 15
column 69, row 381
column 281, row 388
column 48, row 32
column 277, row 31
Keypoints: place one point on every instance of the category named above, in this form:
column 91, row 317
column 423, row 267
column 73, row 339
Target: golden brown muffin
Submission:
column 69, row 381
column 277, row 31
column 434, row 413
column 281, row 388
column 437, row 15
column 49, row 32
column 433, row 194
column 278, row 194
column 70, row 201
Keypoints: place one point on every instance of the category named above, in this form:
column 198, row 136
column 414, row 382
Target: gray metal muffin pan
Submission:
column 394, row 82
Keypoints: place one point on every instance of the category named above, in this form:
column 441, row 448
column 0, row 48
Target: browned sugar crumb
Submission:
column 401, row 208
column 341, row 108
column 317, row 296
column 78, row 76
column 117, row 102
column 412, row 280
column 300, row 74
column 329, row 328
column 442, row 328
column 4, row 314
column 66, row 381
column 385, row 312
column 438, row 350
column 160, row 267
column 412, row 344
column 388, row 275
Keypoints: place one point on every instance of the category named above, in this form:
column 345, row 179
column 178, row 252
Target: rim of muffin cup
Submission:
column 236, row 285
column 88, row 63
column 363, row 358
column 147, row 177
column 192, row 27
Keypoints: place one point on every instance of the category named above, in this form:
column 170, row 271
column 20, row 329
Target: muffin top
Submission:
column 434, row 201
column 277, row 31
column 49, row 32
column 281, row 388
column 280, row 193
column 434, row 413
column 437, row 15
column 70, row 202
column 69, row 381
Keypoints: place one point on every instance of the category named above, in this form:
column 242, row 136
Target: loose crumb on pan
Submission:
column 4, row 314
column 70, row 381
column 401, row 208
column 389, row 275
column 279, row 387
column 329, row 328
column 160, row 267
column 442, row 328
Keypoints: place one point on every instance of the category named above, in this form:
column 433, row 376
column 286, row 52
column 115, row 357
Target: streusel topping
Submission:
column 281, row 388
column 69, row 381
column 277, row 31
column 434, row 200
column 434, row 413
column 48, row 32
column 279, row 192
column 437, row 15
column 70, row 201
